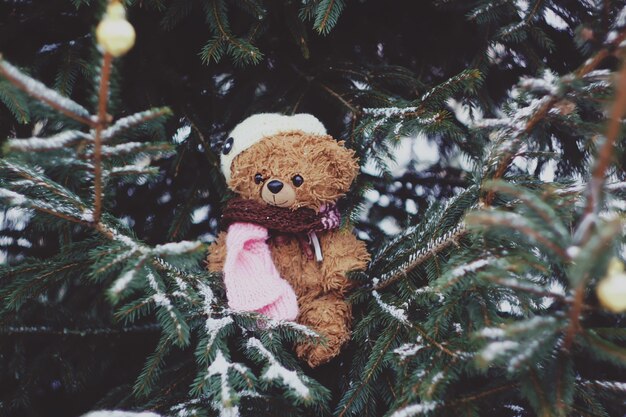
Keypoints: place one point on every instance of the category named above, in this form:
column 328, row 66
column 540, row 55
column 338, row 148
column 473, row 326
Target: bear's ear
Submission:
column 342, row 165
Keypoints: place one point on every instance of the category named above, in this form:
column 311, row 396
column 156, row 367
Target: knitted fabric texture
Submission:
column 281, row 219
column 251, row 278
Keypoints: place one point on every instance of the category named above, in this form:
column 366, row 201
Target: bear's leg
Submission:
column 342, row 252
column 330, row 316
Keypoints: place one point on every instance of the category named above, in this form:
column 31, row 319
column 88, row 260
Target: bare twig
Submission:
column 103, row 99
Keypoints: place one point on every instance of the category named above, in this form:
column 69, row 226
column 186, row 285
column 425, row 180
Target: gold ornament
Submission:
column 114, row 34
column 611, row 290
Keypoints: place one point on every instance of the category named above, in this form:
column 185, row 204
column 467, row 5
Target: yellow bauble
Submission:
column 114, row 33
column 611, row 290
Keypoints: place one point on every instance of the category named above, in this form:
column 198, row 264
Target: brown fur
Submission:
column 328, row 169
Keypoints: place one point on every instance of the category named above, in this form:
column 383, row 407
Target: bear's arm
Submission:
column 217, row 254
column 343, row 253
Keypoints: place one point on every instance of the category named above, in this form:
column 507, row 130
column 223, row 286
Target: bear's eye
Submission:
column 297, row 180
column 228, row 145
column 258, row 178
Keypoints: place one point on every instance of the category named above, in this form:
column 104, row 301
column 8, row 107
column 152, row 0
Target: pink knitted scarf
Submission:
column 252, row 281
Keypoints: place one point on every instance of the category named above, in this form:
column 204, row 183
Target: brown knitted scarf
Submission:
column 282, row 222
column 280, row 219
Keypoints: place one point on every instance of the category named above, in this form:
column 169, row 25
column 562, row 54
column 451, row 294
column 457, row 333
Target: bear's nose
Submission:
column 275, row 186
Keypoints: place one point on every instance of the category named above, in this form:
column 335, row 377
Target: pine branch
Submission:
column 607, row 151
column 57, row 141
column 432, row 341
column 240, row 50
column 14, row 101
column 595, row 188
column 481, row 395
column 327, row 14
column 545, row 108
column 275, row 371
column 516, row 222
column 353, row 394
column 432, row 249
column 89, row 331
column 533, row 12
column 342, row 100
column 128, row 122
column 44, row 94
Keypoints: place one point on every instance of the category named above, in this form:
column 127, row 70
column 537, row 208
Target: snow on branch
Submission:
column 548, row 82
column 126, row 278
column 416, row 409
column 162, row 300
column 132, row 170
column 133, row 147
column 213, row 327
column 388, row 111
column 220, row 366
column 531, row 334
column 518, row 122
column 536, row 322
column 620, row 19
column 415, row 259
column 40, row 91
column 118, row 413
column 464, row 269
column 14, row 198
column 408, row 350
column 133, row 120
column 396, row 312
column 300, row 328
column 53, row 142
column 177, row 248
column 610, row 385
column 36, row 178
column 128, row 241
column 57, row 209
column 276, row 371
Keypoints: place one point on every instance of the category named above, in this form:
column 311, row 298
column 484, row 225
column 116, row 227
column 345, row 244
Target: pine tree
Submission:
column 490, row 287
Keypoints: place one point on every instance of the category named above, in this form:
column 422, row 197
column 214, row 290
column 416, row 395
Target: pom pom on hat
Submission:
column 261, row 125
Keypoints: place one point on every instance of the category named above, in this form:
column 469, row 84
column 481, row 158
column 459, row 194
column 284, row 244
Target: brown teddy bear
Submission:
column 283, row 254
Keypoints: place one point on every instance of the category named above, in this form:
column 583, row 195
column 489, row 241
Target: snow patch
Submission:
column 200, row 214
column 182, row 134
column 13, row 197
column 495, row 349
column 555, row 20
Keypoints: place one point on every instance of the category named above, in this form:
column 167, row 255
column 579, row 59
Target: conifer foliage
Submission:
column 480, row 298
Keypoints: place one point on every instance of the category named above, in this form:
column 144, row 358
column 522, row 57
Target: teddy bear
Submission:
column 282, row 251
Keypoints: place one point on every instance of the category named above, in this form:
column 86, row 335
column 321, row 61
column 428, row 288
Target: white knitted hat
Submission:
column 261, row 125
